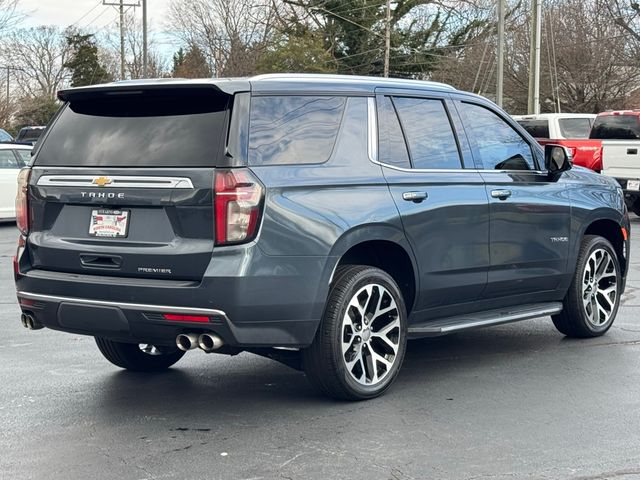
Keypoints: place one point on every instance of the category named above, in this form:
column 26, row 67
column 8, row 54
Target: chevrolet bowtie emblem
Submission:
column 101, row 181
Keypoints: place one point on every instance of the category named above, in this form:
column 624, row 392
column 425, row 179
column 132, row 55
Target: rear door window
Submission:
column 293, row 129
column 536, row 128
column 573, row 128
column 393, row 149
column 496, row 143
column 616, row 127
column 429, row 134
column 160, row 129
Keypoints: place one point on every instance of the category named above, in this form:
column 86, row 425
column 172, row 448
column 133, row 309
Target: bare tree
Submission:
column 232, row 33
column 626, row 15
column 9, row 15
column 157, row 66
column 38, row 56
column 587, row 64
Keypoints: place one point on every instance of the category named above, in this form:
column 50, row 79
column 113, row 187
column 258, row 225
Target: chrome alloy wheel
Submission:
column 599, row 287
column 370, row 334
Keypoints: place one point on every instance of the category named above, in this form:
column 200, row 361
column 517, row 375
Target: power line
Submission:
column 96, row 18
column 85, row 15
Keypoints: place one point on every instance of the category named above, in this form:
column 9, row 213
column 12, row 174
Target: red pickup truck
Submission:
column 570, row 130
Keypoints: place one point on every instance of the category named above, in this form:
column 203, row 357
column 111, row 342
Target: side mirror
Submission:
column 557, row 158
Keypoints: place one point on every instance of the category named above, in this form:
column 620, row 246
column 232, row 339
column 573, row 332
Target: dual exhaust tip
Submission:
column 205, row 341
column 29, row 322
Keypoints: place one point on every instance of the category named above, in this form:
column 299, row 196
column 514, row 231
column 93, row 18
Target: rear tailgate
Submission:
column 165, row 232
column 123, row 184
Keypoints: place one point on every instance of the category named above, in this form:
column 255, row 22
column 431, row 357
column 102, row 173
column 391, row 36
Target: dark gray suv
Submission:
column 317, row 220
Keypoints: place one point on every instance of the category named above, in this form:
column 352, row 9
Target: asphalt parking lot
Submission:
column 511, row 402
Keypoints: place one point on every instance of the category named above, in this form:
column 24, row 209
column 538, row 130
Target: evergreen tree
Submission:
column 191, row 64
column 84, row 63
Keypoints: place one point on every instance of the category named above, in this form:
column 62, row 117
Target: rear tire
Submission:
column 360, row 344
column 138, row 357
column 592, row 302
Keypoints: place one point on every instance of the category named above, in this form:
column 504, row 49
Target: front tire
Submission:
column 360, row 344
column 138, row 357
column 592, row 302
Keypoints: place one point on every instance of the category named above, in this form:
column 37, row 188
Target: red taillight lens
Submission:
column 22, row 202
column 238, row 201
column 185, row 318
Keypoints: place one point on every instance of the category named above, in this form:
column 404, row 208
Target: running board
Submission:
column 444, row 326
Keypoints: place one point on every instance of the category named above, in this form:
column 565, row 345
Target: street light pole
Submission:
column 500, row 61
column 387, row 39
column 144, row 39
column 534, row 57
column 120, row 6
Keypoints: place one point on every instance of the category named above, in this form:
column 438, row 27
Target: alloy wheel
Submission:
column 599, row 287
column 370, row 334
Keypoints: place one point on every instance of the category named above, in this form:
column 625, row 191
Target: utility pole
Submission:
column 534, row 57
column 9, row 68
column 120, row 6
column 500, row 61
column 387, row 39
column 144, row 39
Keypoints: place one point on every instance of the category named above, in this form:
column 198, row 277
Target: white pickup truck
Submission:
column 620, row 135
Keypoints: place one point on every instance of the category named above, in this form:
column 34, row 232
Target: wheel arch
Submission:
column 612, row 231
column 381, row 246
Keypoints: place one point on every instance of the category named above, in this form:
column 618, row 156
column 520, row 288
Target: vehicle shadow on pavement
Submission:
column 230, row 387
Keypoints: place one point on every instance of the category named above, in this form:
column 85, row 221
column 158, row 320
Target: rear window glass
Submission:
column 616, row 127
column 29, row 134
column 293, row 129
column 575, row 127
column 167, row 129
column 536, row 128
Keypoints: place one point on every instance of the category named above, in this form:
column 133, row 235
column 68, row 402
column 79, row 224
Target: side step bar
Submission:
column 444, row 326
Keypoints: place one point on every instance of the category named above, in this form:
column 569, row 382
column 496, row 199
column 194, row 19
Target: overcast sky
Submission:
column 91, row 16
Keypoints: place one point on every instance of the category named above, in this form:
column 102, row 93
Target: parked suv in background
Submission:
column 29, row 135
column 316, row 220
column 570, row 130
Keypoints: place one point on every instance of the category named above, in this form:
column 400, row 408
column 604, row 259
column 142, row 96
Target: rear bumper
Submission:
column 143, row 323
column 275, row 301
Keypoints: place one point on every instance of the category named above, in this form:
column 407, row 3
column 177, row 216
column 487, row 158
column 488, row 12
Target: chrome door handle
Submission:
column 415, row 197
column 501, row 194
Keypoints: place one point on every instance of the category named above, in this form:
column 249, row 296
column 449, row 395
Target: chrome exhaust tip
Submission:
column 209, row 342
column 187, row 341
column 29, row 322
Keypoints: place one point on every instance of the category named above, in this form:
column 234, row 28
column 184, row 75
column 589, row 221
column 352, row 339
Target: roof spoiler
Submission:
column 228, row 87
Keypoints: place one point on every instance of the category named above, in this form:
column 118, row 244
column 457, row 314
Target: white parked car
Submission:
column 12, row 158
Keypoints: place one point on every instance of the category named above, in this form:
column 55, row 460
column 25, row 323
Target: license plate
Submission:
column 109, row 223
column 633, row 185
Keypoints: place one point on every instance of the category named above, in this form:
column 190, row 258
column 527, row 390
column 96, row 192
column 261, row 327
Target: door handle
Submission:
column 415, row 197
column 501, row 194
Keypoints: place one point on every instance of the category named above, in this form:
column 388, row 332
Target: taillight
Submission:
column 185, row 318
column 22, row 201
column 238, row 202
